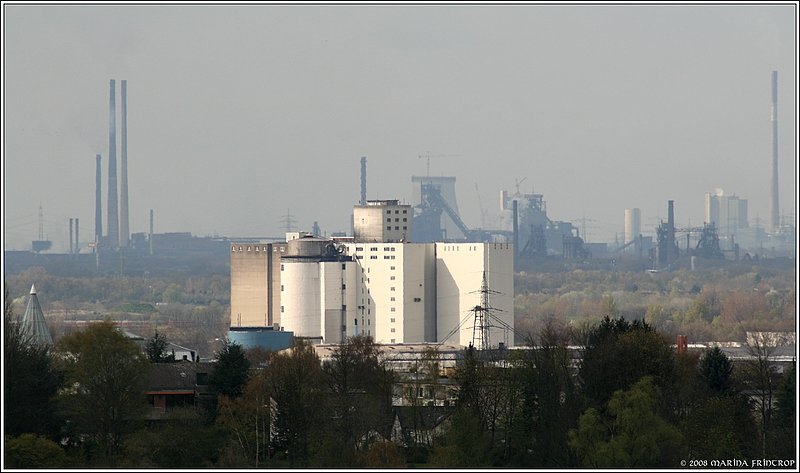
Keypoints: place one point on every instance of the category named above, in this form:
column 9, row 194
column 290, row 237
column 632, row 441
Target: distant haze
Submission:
column 238, row 113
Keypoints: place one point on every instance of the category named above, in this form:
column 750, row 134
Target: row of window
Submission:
column 396, row 220
column 396, row 228
column 375, row 248
column 397, row 211
column 257, row 248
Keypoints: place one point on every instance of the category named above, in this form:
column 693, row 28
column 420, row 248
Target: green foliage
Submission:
column 715, row 371
column 721, row 427
column 618, row 353
column 359, row 401
column 295, row 385
column 466, row 443
column 107, row 372
column 31, row 380
column 785, row 419
column 383, row 455
column 156, row 349
column 630, row 435
column 182, row 440
column 230, row 372
column 32, row 451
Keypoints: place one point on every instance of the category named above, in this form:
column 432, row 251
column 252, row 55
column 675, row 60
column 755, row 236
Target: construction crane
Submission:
column 480, row 206
column 428, row 160
column 517, row 183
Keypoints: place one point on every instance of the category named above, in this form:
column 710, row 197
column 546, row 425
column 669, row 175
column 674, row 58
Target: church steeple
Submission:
column 33, row 323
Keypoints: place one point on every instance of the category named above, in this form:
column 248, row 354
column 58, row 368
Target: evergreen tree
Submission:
column 230, row 372
column 31, row 381
column 715, row 371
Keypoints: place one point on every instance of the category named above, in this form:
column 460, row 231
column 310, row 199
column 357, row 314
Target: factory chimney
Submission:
column 151, row 232
column 98, row 206
column 363, row 200
column 124, row 233
column 773, row 211
column 670, row 232
column 77, row 228
column 71, row 244
column 515, row 215
column 113, row 217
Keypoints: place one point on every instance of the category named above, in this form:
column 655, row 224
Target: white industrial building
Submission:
column 395, row 292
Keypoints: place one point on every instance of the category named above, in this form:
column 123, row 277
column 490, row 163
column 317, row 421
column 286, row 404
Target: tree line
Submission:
column 623, row 398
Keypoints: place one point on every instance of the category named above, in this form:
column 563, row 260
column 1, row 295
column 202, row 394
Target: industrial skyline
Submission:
column 238, row 113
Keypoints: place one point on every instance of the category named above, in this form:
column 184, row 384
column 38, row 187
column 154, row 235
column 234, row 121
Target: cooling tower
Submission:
column 124, row 233
column 633, row 224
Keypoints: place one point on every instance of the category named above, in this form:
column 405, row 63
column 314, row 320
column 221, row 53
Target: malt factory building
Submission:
column 375, row 283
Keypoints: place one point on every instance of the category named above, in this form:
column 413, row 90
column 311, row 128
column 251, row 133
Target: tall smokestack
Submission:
column 773, row 211
column 670, row 231
column 77, row 229
column 113, row 217
column 515, row 214
column 124, row 234
column 98, row 205
column 363, row 200
column 151, row 232
column 71, row 244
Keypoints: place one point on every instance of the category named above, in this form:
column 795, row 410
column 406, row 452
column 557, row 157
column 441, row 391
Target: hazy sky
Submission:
column 238, row 113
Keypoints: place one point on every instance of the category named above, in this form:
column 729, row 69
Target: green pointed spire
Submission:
column 33, row 323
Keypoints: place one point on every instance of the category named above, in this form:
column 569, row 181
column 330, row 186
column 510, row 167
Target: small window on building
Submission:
column 391, row 299
column 391, row 341
column 391, row 309
column 344, row 287
column 373, row 257
column 283, row 248
column 281, row 287
column 233, row 249
column 391, row 329
column 240, row 248
column 256, row 248
column 392, row 248
column 397, row 220
column 281, row 267
column 344, row 266
column 397, row 228
column 389, row 219
column 392, row 257
column 344, row 307
column 388, row 228
column 355, row 321
column 359, row 248
column 391, row 288
column 391, row 268
column 405, row 219
column 387, row 248
column 397, row 211
column 405, row 211
column 391, row 320
column 386, row 257
column 405, row 228
column 374, row 248
column 391, row 278
column 417, row 299
column 281, row 308
column 388, row 211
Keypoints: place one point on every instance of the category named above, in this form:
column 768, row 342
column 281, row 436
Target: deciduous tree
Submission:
column 107, row 372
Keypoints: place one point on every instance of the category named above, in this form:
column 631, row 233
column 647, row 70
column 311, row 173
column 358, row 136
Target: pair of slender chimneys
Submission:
column 118, row 231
